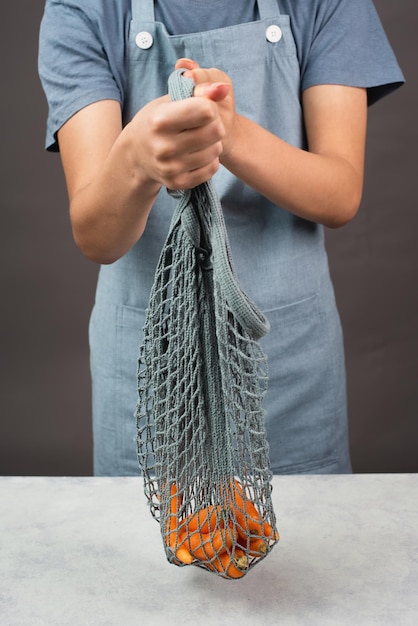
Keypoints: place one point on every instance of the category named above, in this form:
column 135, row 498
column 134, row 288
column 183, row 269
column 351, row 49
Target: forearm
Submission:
column 323, row 188
column 114, row 175
column 109, row 214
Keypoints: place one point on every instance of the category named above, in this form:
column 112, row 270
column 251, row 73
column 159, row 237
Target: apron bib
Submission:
column 280, row 259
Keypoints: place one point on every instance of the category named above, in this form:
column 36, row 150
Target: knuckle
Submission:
column 214, row 167
column 155, row 122
column 168, row 172
column 164, row 151
column 208, row 110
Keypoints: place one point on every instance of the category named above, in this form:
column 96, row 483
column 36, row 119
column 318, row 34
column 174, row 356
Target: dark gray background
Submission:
column 47, row 287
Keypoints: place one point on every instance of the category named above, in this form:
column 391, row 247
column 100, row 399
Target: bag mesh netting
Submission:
column 202, row 377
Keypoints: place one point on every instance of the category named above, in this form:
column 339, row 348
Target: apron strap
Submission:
column 143, row 10
column 268, row 8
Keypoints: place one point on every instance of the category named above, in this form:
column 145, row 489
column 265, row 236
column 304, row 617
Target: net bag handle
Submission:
column 199, row 229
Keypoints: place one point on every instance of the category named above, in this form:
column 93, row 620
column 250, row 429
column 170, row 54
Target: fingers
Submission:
column 186, row 64
column 186, row 159
column 214, row 85
column 209, row 83
column 178, row 143
column 214, row 91
column 181, row 115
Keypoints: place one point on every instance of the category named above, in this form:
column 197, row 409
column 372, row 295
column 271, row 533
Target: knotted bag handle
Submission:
column 211, row 229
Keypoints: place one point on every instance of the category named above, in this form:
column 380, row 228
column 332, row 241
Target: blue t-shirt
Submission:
column 82, row 51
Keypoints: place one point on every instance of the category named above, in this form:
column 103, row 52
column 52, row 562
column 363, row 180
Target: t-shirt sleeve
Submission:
column 349, row 47
column 73, row 66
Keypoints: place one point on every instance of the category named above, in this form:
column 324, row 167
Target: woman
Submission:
column 279, row 122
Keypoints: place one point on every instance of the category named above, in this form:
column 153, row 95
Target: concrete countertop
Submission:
column 86, row 551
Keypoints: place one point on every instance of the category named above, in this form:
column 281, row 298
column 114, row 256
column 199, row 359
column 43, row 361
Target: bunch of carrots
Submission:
column 223, row 538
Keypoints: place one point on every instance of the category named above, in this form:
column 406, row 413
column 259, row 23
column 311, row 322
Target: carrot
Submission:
column 206, row 546
column 172, row 531
column 246, row 514
column 203, row 520
column 231, row 565
column 258, row 547
column 249, row 506
column 172, row 521
column 270, row 533
column 183, row 555
column 252, row 522
column 253, row 546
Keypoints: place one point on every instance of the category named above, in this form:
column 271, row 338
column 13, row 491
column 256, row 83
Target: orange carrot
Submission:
column 249, row 506
column 253, row 546
column 270, row 533
column 172, row 529
column 206, row 546
column 231, row 565
column 172, row 521
column 183, row 555
column 252, row 522
column 258, row 547
column 203, row 520
column 246, row 514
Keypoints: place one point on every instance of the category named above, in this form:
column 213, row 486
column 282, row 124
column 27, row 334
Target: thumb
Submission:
column 212, row 91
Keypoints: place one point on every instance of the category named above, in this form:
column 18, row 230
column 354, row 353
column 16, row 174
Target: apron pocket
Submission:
column 305, row 400
column 130, row 322
column 115, row 337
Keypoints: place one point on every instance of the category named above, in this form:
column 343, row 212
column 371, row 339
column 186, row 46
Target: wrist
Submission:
column 232, row 154
column 131, row 154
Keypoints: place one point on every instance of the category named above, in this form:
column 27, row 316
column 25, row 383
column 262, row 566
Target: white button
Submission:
column 274, row 33
column 144, row 40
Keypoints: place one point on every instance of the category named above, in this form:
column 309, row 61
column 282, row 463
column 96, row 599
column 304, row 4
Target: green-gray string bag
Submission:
column 202, row 377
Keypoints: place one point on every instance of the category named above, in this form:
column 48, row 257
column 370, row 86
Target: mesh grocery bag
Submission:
column 202, row 377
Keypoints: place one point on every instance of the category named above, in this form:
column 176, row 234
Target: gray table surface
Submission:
column 85, row 551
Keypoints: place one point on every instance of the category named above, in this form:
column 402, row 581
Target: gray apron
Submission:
column 279, row 258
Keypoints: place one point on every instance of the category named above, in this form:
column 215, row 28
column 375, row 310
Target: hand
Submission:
column 217, row 86
column 178, row 144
